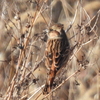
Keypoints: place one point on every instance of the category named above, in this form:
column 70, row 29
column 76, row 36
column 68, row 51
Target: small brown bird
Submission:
column 56, row 53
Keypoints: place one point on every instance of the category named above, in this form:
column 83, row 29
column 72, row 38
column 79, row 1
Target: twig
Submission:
column 95, row 23
column 36, row 92
column 78, row 71
column 73, row 19
column 92, row 18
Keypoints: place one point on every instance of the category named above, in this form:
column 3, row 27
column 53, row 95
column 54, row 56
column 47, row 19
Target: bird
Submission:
column 56, row 53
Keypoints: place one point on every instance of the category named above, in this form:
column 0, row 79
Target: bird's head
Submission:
column 55, row 31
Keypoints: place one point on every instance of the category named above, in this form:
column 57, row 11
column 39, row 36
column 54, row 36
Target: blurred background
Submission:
column 22, row 45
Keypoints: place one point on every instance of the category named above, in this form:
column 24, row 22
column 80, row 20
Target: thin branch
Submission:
column 78, row 71
column 36, row 92
column 73, row 19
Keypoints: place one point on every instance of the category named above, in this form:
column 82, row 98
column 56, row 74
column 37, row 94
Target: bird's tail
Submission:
column 49, row 82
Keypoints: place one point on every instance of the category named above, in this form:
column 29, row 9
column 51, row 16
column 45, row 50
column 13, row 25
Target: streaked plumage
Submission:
column 56, row 53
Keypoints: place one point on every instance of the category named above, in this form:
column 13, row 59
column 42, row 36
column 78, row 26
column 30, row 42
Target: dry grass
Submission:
column 22, row 44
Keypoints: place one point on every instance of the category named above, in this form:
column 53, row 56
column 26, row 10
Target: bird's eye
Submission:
column 51, row 30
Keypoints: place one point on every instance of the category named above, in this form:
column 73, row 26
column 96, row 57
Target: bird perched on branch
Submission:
column 56, row 53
